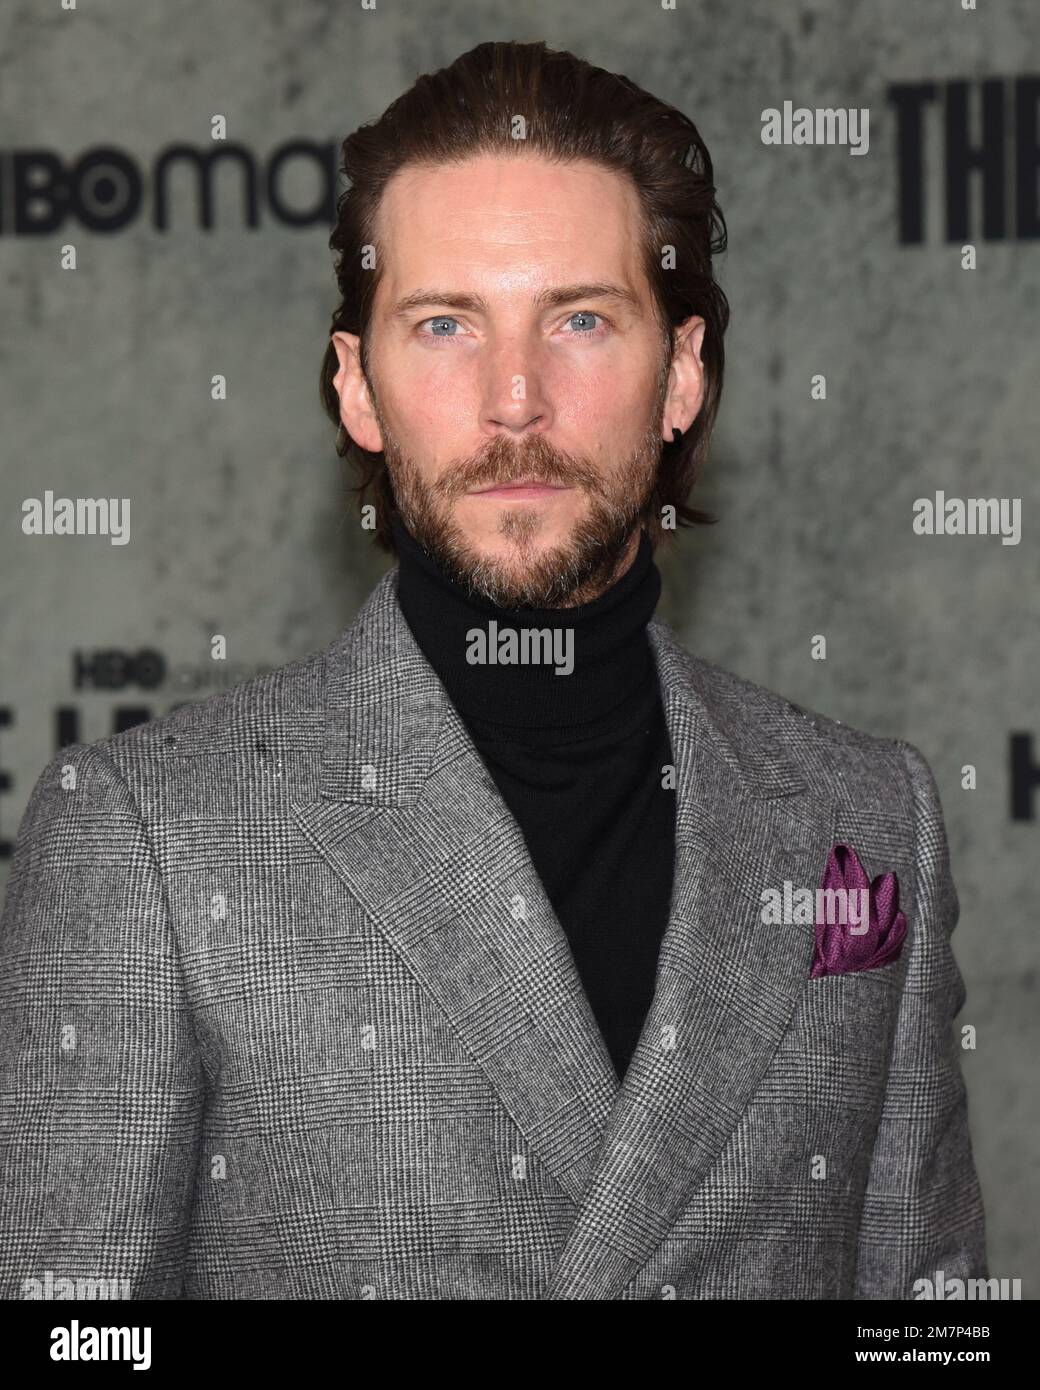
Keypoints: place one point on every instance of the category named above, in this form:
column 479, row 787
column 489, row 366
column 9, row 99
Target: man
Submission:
column 437, row 964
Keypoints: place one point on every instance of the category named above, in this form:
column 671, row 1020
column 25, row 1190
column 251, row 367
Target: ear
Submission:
column 685, row 394
column 355, row 401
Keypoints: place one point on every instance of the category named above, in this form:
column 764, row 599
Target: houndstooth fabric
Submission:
column 285, row 1013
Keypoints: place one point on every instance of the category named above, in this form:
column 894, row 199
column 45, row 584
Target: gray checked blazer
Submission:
column 285, row 1013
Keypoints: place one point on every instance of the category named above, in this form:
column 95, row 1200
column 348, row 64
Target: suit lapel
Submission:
column 410, row 820
column 726, row 986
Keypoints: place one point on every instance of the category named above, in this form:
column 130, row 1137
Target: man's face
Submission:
column 513, row 340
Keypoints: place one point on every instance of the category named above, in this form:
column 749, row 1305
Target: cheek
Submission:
column 428, row 401
column 606, row 396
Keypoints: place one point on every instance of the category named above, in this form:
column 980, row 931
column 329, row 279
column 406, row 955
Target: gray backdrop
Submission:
column 240, row 522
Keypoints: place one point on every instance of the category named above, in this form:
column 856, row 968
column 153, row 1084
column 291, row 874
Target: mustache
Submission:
column 503, row 462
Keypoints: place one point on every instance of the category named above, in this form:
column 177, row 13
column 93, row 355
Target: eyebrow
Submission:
column 550, row 298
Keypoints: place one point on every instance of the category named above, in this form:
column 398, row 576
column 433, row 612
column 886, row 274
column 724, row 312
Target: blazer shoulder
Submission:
column 820, row 745
column 199, row 757
column 273, row 699
column 780, row 710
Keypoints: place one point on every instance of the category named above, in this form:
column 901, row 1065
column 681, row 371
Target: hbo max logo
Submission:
column 106, row 189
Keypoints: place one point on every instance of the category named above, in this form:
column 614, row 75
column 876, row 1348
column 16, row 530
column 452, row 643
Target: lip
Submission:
column 520, row 490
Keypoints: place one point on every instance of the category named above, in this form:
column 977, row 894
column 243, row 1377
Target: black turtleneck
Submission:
column 578, row 758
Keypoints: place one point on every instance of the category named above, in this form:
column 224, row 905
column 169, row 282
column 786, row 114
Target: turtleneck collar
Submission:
column 613, row 672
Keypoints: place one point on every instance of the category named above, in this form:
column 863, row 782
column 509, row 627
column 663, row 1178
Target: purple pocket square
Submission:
column 843, row 947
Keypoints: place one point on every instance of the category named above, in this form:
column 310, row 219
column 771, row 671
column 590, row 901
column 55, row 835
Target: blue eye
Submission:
column 583, row 314
column 445, row 327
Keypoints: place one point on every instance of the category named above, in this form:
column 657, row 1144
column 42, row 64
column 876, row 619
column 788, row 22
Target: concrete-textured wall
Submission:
column 240, row 520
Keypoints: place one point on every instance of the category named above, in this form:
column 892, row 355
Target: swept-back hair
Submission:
column 572, row 110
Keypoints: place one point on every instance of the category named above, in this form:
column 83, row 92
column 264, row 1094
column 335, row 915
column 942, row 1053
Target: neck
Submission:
column 500, row 666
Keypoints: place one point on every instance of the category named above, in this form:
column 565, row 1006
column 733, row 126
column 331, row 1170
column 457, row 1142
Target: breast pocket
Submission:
column 849, row 1079
column 838, row 1012
column 868, row 1001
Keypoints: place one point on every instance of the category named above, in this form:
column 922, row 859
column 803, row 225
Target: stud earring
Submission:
column 676, row 435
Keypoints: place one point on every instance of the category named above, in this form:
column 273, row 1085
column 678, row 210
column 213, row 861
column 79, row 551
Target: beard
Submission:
column 573, row 572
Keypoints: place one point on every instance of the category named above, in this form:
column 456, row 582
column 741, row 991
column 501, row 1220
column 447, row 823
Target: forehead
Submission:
column 506, row 225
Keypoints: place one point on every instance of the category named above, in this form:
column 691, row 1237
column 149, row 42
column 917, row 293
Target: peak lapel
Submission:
column 412, row 823
column 726, row 984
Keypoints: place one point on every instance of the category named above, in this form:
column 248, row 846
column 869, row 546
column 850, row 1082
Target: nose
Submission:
column 513, row 397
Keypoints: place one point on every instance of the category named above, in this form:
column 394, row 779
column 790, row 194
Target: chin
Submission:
column 546, row 538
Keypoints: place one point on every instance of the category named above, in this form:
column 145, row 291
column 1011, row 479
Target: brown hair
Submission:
column 572, row 111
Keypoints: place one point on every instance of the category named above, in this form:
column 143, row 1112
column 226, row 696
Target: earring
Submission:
column 676, row 435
